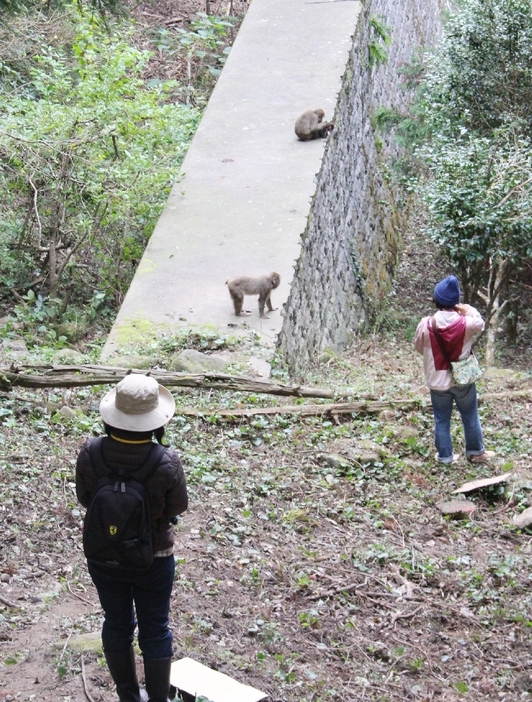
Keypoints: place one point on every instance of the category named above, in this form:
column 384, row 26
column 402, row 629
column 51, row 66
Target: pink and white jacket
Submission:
column 457, row 331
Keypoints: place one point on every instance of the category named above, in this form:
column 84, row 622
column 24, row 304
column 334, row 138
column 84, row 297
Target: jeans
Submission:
column 149, row 592
column 442, row 406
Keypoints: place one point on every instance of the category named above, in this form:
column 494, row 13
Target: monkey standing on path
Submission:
column 261, row 286
column 311, row 125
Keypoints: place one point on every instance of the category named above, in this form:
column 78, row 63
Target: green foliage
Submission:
column 205, row 46
column 377, row 52
column 468, row 131
column 384, row 118
column 309, row 619
column 86, row 163
column 480, row 200
column 461, row 687
column 102, row 7
column 479, row 77
column 412, row 127
column 482, row 74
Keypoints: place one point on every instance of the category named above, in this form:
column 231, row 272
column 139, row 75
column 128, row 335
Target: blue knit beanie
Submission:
column 447, row 292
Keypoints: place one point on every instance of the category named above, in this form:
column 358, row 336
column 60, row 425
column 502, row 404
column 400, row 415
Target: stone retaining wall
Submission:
column 352, row 241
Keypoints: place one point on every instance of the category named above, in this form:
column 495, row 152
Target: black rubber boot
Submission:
column 157, row 674
column 121, row 665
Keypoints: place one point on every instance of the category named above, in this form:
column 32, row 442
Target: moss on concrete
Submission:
column 146, row 266
column 135, row 331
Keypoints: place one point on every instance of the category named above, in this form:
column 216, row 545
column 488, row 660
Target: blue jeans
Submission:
column 442, row 406
column 150, row 592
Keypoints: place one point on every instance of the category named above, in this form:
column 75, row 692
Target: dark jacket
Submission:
column 166, row 487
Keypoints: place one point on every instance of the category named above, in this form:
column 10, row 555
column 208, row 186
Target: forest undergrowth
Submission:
column 314, row 562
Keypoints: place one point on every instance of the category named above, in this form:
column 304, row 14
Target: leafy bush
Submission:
column 468, row 132
column 86, row 163
column 481, row 74
column 480, row 201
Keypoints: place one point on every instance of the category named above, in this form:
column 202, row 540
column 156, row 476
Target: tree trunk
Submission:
column 492, row 299
column 57, row 209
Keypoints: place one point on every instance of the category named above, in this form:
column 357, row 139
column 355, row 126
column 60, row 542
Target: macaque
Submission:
column 311, row 125
column 261, row 286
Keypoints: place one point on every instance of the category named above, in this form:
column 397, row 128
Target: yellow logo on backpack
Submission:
column 113, row 530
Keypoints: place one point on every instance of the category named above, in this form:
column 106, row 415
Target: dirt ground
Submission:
column 314, row 562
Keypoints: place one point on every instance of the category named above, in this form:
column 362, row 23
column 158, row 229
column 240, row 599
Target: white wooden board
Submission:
column 196, row 679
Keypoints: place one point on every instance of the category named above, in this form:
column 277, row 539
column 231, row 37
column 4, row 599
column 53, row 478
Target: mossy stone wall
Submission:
column 352, row 241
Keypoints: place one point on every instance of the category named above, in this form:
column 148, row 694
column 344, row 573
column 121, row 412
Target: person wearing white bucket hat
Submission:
column 134, row 413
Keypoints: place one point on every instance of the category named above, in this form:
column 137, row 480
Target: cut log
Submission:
column 84, row 375
column 523, row 520
column 458, row 509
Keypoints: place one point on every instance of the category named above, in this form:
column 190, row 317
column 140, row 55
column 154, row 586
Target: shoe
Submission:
column 481, row 457
column 455, row 458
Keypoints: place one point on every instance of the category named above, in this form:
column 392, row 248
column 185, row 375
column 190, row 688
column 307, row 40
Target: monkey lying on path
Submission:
column 261, row 286
column 311, row 125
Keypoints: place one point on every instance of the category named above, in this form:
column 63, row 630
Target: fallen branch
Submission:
column 47, row 376
column 525, row 394
column 361, row 407
column 8, row 603
column 337, row 591
column 79, row 597
column 84, row 375
column 409, row 585
column 364, row 407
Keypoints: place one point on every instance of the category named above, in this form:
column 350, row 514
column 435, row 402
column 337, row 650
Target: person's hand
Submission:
column 461, row 309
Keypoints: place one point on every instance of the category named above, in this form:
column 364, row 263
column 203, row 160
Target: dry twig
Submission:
column 405, row 615
column 85, row 684
column 75, row 594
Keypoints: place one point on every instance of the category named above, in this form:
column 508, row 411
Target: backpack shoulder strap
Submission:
column 141, row 474
column 96, row 455
column 152, row 461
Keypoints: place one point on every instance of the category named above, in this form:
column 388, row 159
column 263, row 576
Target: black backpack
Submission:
column 117, row 530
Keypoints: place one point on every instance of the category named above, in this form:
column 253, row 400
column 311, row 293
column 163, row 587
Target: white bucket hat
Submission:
column 137, row 403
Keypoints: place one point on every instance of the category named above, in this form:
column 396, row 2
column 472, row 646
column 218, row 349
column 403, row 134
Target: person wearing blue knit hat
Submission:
column 447, row 292
column 457, row 326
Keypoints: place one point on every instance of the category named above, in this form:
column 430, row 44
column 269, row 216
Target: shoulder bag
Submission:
column 464, row 372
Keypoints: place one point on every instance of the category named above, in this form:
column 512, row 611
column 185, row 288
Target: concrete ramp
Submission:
column 244, row 196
